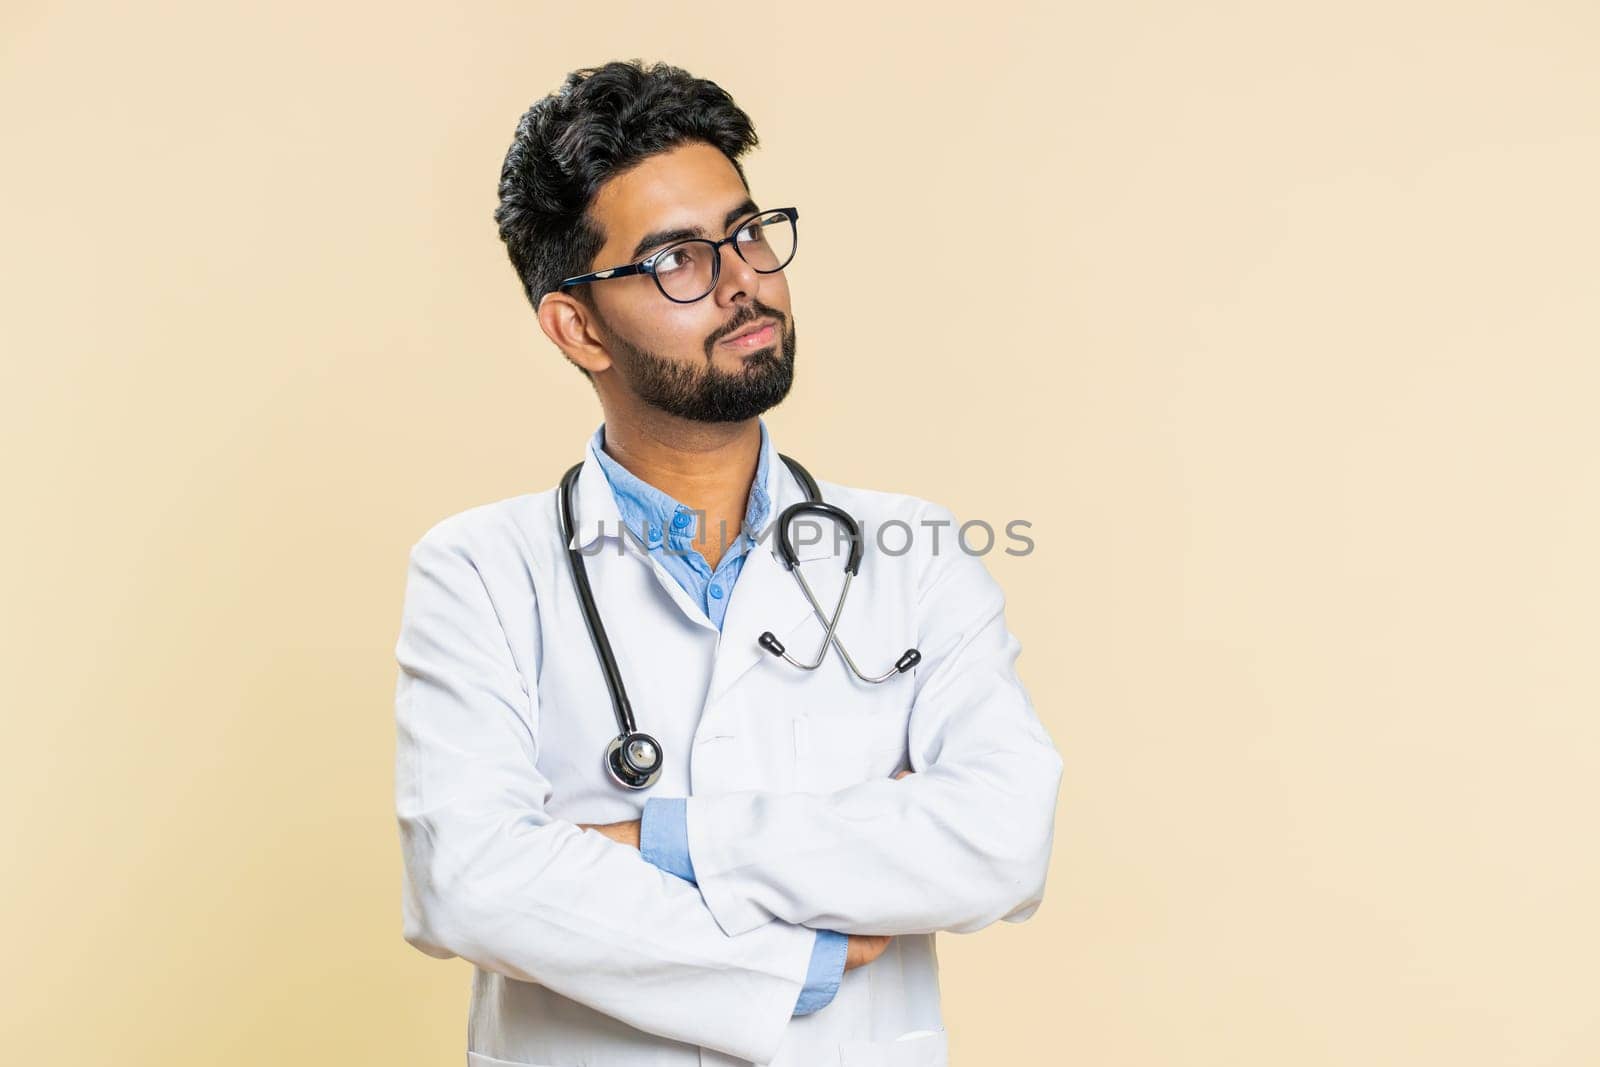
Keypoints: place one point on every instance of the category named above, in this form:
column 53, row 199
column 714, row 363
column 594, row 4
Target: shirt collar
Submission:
column 655, row 517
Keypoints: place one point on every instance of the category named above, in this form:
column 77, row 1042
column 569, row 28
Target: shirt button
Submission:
column 655, row 533
column 679, row 521
column 716, row 592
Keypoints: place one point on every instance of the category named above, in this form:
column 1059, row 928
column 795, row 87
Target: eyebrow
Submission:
column 661, row 237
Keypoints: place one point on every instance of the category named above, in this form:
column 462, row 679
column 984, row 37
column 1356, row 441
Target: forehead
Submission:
column 691, row 185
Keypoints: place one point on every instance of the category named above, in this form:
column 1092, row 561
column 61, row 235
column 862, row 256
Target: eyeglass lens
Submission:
column 687, row 270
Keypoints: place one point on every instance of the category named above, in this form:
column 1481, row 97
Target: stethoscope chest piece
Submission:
column 634, row 760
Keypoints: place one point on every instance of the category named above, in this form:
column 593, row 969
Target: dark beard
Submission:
column 712, row 394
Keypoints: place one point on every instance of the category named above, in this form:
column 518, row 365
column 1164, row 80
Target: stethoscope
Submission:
column 634, row 758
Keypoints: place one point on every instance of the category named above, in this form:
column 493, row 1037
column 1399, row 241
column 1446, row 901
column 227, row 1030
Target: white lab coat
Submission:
column 587, row 954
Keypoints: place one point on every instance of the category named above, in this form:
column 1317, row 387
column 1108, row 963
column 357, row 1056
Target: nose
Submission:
column 737, row 279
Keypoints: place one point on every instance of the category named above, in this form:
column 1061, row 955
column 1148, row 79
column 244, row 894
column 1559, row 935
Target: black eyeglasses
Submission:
column 686, row 271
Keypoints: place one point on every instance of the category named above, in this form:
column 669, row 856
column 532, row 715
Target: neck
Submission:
column 702, row 465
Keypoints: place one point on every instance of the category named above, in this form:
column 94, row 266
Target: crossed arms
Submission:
column 492, row 877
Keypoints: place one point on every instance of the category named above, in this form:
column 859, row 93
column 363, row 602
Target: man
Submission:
column 772, row 896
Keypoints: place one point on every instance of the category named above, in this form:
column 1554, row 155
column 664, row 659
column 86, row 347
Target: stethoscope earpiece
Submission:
column 852, row 567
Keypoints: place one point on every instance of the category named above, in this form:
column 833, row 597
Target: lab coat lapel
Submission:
column 594, row 511
column 766, row 597
column 596, row 515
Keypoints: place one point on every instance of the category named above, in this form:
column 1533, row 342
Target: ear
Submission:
column 569, row 323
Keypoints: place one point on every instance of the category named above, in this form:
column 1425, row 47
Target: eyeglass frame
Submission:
column 647, row 264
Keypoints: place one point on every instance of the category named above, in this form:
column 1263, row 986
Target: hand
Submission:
column 623, row 833
column 863, row 949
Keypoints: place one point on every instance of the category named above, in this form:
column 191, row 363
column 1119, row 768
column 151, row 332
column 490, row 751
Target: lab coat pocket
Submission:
column 837, row 749
column 918, row 1048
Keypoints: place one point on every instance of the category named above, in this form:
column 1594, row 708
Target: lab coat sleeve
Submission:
column 962, row 842
column 664, row 842
column 490, row 876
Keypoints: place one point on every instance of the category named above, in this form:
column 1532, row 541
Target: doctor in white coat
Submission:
column 773, row 895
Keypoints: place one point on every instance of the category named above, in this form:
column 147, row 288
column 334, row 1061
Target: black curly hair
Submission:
column 602, row 121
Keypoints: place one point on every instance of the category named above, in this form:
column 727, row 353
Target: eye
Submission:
column 671, row 260
column 751, row 233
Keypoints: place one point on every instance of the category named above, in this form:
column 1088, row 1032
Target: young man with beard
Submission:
column 702, row 892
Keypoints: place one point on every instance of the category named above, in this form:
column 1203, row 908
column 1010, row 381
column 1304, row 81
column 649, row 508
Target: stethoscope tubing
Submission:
column 791, row 561
column 634, row 760
column 831, row 637
column 591, row 613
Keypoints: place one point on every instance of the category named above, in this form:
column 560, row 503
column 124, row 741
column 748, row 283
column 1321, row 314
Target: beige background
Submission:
column 1276, row 320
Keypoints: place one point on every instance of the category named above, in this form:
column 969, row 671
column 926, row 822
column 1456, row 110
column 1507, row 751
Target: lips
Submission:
column 754, row 337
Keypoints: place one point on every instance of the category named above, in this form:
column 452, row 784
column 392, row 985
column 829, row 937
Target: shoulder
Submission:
column 881, row 505
column 472, row 589
column 935, row 522
column 507, row 542
column 496, row 526
column 925, row 535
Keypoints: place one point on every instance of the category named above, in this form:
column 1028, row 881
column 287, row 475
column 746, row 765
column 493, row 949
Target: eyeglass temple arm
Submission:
column 601, row 275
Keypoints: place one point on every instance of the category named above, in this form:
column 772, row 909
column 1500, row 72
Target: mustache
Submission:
column 744, row 317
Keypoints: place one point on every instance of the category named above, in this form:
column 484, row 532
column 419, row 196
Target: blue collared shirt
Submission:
column 668, row 530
